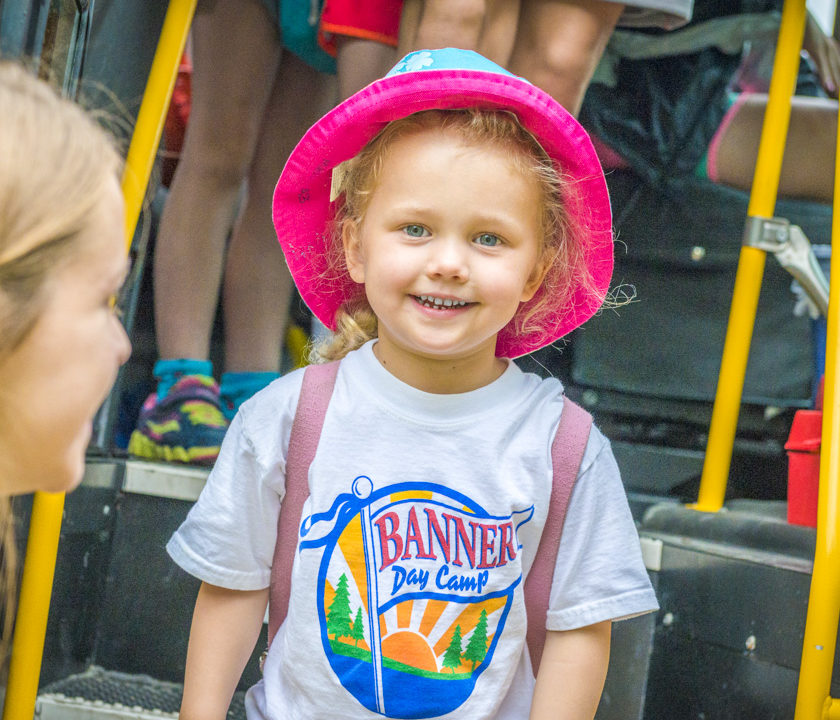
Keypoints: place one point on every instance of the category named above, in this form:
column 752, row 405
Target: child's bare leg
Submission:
column 499, row 32
column 443, row 23
column 808, row 165
column 236, row 51
column 559, row 43
column 412, row 11
column 359, row 62
column 487, row 26
column 257, row 285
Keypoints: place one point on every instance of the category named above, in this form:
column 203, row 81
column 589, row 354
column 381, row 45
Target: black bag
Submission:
column 680, row 250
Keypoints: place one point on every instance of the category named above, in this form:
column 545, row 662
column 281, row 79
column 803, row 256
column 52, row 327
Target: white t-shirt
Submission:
column 425, row 512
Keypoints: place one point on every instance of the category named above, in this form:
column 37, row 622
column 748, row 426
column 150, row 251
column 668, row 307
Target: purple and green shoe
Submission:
column 186, row 426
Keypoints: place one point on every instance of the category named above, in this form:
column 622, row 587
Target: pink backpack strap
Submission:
column 566, row 456
column 314, row 399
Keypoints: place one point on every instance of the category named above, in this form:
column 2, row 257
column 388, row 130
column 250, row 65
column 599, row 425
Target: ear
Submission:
column 353, row 255
column 535, row 279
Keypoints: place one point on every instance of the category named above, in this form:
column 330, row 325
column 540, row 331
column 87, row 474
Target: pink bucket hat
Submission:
column 444, row 79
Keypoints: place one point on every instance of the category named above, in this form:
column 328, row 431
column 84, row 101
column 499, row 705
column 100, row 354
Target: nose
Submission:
column 122, row 343
column 448, row 259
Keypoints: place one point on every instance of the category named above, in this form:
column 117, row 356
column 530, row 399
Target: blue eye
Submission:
column 488, row 240
column 415, row 231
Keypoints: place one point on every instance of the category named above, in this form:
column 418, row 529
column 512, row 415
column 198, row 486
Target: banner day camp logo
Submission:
column 414, row 587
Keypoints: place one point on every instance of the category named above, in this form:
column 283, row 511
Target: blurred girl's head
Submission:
column 62, row 260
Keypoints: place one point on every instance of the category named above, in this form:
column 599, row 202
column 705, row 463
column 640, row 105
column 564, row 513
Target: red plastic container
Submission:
column 803, row 448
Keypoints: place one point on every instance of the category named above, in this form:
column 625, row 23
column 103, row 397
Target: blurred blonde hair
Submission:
column 567, row 268
column 55, row 161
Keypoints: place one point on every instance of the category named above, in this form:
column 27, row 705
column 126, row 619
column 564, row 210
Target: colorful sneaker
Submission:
column 187, row 426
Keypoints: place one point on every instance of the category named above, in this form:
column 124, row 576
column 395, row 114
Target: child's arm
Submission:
column 225, row 627
column 572, row 671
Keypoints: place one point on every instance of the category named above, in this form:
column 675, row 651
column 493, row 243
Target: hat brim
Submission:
column 303, row 212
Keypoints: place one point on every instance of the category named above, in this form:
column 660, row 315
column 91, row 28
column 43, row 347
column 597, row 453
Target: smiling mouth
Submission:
column 436, row 303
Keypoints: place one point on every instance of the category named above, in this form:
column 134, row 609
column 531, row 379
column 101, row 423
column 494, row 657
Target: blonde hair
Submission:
column 567, row 268
column 55, row 161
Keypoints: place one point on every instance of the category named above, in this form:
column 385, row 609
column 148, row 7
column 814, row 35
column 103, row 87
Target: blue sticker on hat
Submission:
column 446, row 59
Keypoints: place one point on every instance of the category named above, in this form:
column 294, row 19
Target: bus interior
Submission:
column 705, row 400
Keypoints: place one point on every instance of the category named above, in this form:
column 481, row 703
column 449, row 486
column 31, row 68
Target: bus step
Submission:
column 99, row 694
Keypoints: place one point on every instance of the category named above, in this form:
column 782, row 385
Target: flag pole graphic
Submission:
column 362, row 488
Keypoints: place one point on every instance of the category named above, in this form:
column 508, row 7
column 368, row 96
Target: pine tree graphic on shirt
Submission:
column 477, row 646
column 452, row 656
column 415, row 585
column 358, row 632
column 338, row 617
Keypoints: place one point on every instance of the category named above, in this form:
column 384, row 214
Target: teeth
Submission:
column 431, row 301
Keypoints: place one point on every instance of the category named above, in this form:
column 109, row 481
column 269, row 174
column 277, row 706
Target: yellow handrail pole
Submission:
column 34, row 606
column 812, row 698
column 152, row 114
column 748, row 278
column 47, row 509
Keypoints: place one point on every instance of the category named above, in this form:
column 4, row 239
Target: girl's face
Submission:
column 449, row 246
column 55, row 381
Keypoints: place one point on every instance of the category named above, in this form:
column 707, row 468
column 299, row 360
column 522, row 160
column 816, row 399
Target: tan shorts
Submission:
column 666, row 14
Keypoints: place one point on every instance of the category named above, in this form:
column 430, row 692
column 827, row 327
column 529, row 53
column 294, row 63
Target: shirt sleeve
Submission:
column 229, row 534
column 600, row 574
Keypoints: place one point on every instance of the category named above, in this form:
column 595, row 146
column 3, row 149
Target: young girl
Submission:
column 443, row 220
